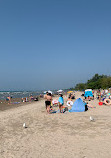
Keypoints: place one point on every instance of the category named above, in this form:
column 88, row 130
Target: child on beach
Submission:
column 61, row 103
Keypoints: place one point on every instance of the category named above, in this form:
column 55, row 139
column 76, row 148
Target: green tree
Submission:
column 106, row 82
column 80, row 86
column 96, row 82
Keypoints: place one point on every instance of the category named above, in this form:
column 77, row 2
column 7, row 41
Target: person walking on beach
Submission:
column 48, row 99
column 8, row 99
column 61, row 103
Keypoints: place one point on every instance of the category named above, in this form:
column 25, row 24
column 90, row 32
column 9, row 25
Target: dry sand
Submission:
column 70, row 135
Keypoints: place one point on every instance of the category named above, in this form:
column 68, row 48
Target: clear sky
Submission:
column 53, row 44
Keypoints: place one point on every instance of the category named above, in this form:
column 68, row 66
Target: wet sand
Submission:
column 70, row 135
column 15, row 102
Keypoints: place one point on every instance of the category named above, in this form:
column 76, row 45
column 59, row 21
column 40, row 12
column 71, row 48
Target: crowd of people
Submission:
column 48, row 102
column 103, row 96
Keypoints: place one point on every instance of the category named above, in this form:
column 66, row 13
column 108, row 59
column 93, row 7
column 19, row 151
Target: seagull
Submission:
column 91, row 118
column 24, row 125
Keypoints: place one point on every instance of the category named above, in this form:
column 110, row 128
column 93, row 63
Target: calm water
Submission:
column 3, row 95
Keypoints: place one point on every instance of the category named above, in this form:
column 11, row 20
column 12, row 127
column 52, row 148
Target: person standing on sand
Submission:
column 48, row 99
column 61, row 103
column 9, row 99
column 45, row 96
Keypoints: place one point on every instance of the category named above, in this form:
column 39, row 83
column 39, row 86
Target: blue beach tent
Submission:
column 78, row 106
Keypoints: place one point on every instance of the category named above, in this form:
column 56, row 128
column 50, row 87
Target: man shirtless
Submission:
column 45, row 96
column 48, row 99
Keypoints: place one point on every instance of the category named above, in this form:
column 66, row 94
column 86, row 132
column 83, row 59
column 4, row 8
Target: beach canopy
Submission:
column 78, row 106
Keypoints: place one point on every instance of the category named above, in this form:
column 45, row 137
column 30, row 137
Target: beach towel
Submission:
column 78, row 106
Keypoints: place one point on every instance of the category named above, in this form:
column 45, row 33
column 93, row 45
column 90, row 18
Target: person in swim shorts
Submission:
column 48, row 98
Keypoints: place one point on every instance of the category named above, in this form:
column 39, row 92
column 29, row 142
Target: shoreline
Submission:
column 15, row 102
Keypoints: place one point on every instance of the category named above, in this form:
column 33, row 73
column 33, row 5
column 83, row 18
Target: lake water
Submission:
column 21, row 94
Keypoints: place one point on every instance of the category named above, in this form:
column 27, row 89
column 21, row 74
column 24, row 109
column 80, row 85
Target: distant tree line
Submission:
column 96, row 82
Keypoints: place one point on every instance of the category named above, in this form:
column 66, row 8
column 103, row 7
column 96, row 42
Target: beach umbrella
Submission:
column 69, row 91
column 60, row 91
column 50, row 91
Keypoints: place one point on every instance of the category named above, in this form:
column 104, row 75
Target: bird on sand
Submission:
column 91, row 118
column 24, row 125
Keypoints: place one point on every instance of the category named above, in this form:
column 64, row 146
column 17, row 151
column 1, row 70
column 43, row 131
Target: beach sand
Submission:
column 70, row 135
column 14, row 103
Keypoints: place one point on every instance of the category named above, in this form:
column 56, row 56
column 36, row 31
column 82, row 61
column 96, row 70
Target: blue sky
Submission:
column 53, row 44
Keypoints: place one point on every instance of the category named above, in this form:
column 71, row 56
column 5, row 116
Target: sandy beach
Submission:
column 70, row 135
